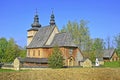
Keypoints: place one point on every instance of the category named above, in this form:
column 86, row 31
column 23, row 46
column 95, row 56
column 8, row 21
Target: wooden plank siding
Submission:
column 46, row 52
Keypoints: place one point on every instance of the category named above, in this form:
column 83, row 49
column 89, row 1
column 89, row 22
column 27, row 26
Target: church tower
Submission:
column 35, row 27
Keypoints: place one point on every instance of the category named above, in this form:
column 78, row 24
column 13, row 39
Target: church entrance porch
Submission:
column 71, row 61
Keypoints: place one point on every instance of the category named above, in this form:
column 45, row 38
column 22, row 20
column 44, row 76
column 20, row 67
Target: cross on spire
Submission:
column 52, row 10
column 36, row 12
column 36, row 21
column 52, row 21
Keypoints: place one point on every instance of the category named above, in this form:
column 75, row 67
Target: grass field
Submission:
column 112, row 64
column 6, row 70
column 63, row 74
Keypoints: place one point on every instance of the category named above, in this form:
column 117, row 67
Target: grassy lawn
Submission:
column 112, row 64
column 6, row 70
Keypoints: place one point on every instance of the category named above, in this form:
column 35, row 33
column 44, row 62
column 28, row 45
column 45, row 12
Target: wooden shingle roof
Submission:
column 43, row 34
column 108, row 53
column 63, row 39
column 36, row 60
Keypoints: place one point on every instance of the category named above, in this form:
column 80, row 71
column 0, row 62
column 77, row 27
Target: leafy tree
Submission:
column 117, row 41
column 80, row 33
column 97, row 49
column 92, row 56
column 22, row 52
column 3, row 45
column 9, row 50
column 56, row 58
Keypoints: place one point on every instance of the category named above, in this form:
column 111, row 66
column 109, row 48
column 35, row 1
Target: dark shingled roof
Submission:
column 36, row 60
column 41, row 37
column 43, row 34
column 63, row 39
column 20, row 59
column 108, row 53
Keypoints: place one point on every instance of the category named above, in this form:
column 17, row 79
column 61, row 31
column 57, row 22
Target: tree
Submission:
column 56, row 58
column 22, row 52
column 117, row 41
column 80, row 33
column 3, row 45
column 9, row 50
column 109, row 43
column 97, row 49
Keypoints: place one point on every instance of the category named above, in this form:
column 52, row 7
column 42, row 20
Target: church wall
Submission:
column 46, row 52
column 35, row 53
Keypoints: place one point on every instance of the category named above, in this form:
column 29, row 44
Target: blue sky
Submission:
column 16, row 16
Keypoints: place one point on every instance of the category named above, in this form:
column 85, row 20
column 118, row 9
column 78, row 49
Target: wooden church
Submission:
column 42, row 39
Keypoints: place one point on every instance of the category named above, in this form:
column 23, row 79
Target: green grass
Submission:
column 112, row 64
column 10, row 70
column 6, row 70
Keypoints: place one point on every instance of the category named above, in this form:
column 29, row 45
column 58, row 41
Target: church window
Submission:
column 28, row 52
column 70, row 51
column 38, row 52
column 33, row 52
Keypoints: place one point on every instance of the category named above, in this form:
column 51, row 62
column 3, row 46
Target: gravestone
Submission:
column 87, row 63
column 17, row 64
column 97, row 63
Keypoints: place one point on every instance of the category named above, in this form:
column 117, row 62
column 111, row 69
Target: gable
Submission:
column 114, row 55
column 51, row 37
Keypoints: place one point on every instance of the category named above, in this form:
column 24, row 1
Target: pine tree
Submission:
column 56, row 58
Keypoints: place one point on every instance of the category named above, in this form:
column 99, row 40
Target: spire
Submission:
column 52, row 21
column 36, row 21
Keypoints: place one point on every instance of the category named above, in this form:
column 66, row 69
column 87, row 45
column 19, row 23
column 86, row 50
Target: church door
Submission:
column 71, row 61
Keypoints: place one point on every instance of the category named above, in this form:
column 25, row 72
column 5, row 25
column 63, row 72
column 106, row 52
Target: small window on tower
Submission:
column 70, row 51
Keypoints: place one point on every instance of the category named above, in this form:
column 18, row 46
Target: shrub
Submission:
column 56, row 59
